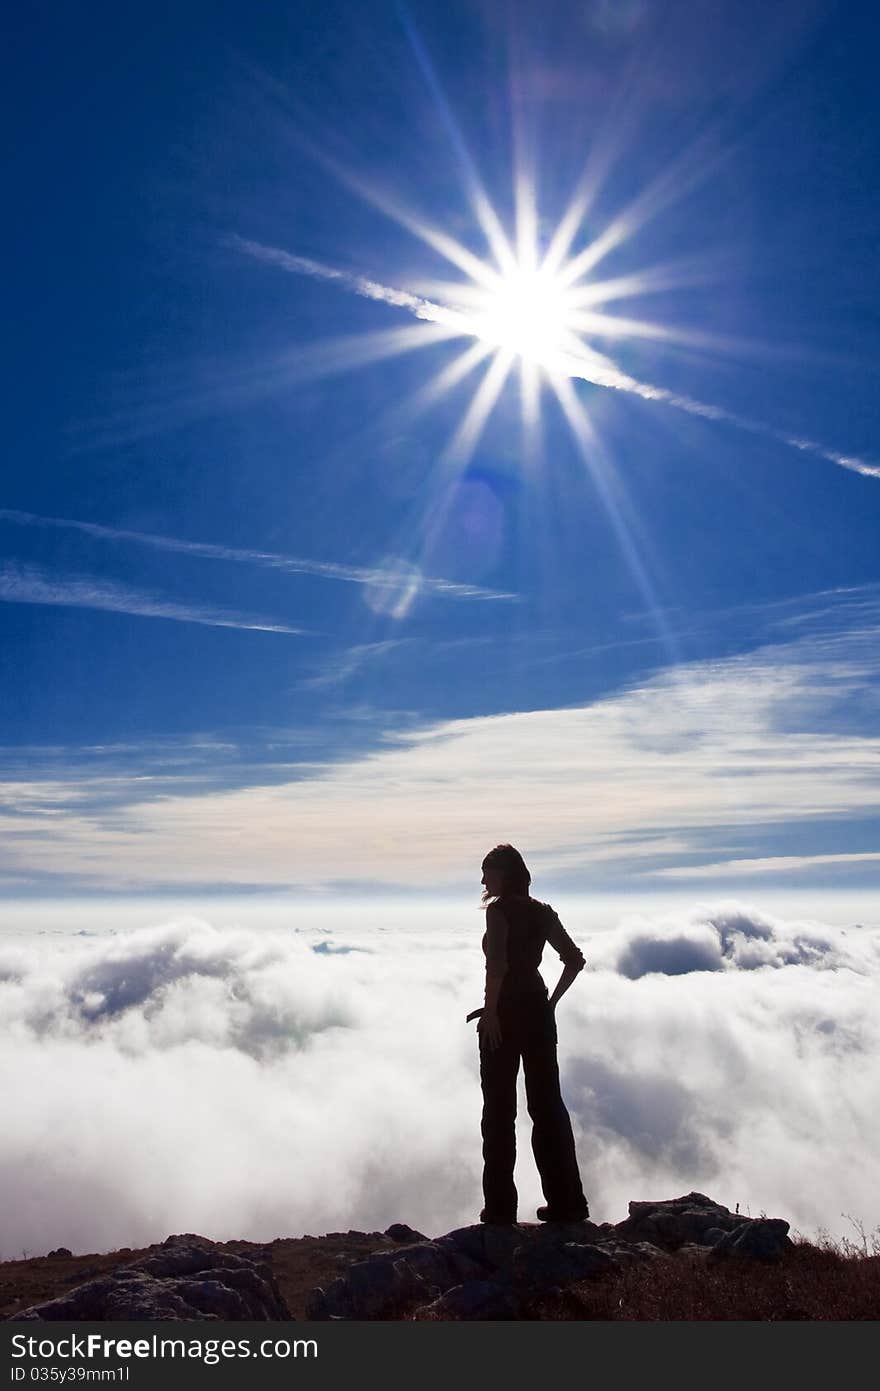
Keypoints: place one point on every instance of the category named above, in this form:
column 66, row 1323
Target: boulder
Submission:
column 491, row 1247
column 541, row 1266
column 399, row 1231
column 473, row 1300
column 389, row 1280
column 475, row 1272
column 713, row 1236
column 762, row 1238
column 676, row 1222
column 188, row 1239
column 177, row 1281
column 695, row 1222
column 631, row 1252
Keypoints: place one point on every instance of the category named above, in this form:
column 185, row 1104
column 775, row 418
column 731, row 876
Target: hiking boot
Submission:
column 498, row 1219
column 549, row 1214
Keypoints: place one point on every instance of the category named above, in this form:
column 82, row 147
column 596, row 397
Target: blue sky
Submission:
column 271, row 616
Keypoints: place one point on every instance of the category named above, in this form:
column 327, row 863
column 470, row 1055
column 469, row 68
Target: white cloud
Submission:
column 230, row 1082
column 726, row 936
column 249, row 1083
column 768, row 864
column 706, row 758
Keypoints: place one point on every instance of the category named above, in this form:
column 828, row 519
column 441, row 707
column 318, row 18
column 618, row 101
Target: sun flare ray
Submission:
column 446, row 380
column 609, row 490
column 537, row 308
column 466, row 438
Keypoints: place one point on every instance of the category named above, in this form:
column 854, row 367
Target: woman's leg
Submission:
column 552, row 1138
column 498, row 1072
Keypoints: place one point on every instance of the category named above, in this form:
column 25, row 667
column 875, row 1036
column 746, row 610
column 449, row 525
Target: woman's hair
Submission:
column 515, row 876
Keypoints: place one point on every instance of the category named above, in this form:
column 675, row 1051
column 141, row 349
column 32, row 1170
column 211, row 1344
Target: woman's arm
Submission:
column 569, row 973
column 488, row 1024
column 496, row 969
column 571, row 955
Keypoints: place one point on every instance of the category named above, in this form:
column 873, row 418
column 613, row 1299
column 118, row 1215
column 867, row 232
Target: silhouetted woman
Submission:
column 518, row 1021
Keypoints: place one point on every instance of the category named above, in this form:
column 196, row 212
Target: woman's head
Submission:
column 505, row 872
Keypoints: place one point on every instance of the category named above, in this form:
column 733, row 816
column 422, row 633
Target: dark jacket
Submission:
column 516, row 931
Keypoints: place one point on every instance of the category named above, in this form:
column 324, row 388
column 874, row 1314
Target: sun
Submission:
column 529, row 313
column 530, row 300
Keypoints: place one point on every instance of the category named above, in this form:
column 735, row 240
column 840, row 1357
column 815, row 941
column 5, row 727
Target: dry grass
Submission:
column 817, row 1280
column 823, row 1282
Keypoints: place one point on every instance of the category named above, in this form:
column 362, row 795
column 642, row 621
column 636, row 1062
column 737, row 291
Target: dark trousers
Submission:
column 528, row 1031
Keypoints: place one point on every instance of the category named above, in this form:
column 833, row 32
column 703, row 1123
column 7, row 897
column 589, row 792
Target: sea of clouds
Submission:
column 254, row 1082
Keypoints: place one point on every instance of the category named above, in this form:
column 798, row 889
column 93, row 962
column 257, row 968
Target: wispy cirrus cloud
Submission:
column 767, row 864
column 25, row 584
column 857, row 603
column 389, row 577
column 346, row 663
column 740, row 764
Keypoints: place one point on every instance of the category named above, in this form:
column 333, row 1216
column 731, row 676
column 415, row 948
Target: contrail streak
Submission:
column 27, row 585
column 616, row 380
column 378, row 578
column 357, row 284
column 593, row 371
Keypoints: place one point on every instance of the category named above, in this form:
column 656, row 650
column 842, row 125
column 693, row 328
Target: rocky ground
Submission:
column 476, row 1272
column 298, row 1265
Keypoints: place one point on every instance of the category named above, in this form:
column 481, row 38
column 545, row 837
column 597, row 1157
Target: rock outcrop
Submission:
column 475, row 1272
column 186, row 1280
column 764, row 1238
column 493, row 1272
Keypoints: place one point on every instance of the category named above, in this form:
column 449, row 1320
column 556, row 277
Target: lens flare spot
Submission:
column 394, row 588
